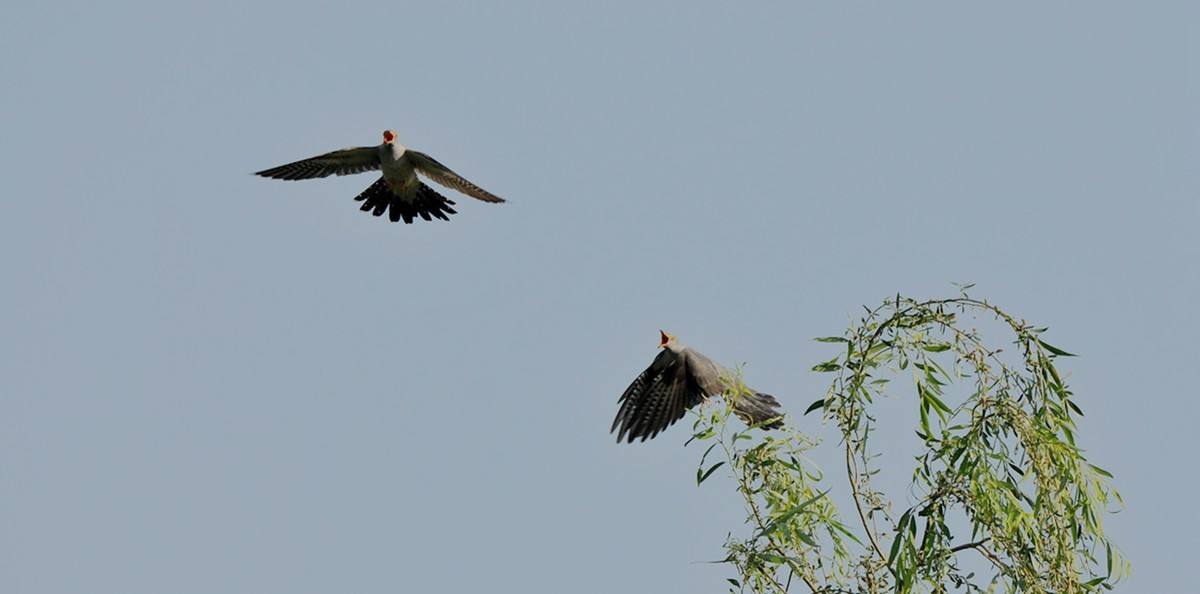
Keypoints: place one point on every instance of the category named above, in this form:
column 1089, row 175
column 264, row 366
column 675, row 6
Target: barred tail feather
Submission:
column 426, row 203
column 757, row 408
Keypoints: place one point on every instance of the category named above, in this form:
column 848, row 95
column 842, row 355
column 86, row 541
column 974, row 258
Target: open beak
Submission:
column 665, row 339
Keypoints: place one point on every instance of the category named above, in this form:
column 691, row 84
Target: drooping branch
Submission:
column 1003, row 456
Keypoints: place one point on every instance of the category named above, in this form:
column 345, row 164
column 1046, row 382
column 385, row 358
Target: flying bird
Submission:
column 399, row 191
column 678, row 379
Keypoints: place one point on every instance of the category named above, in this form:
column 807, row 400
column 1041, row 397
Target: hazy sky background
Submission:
column 211, row 382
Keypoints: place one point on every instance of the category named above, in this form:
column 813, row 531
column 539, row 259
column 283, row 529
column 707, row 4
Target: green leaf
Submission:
column 936, row 347
column 700, row 478
column 937, row 403
column 814, row 406
column 831, row 339
column 703, row 435
column 787, row 515
column 734, row 582
column 899, row 536
column 840, row 528
column 1053, row 349
column 830, row 365
column 1101, row 471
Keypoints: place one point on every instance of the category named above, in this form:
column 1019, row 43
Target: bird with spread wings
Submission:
column 399, row 191
column 679, row 379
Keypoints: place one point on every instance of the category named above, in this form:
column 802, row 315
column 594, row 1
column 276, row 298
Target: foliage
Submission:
column 999, row 461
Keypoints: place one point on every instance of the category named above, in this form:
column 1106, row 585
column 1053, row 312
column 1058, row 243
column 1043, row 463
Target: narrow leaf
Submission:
column 1054, row 349
column 840, row 528
column 770, row 527
column 937, row 402
column 700, row 478
column 830, row 365
column 899, row 536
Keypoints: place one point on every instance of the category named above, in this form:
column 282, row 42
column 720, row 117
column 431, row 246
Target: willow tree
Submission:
column 1005, row 500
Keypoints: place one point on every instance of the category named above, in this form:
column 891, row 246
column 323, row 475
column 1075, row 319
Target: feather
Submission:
column 342, row 162
column 677, row 380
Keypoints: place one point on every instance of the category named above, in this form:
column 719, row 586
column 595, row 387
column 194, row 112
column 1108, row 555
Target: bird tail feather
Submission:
column 759, row 409
column 427, row 203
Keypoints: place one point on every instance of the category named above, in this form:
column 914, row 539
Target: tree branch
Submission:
column 970, row 545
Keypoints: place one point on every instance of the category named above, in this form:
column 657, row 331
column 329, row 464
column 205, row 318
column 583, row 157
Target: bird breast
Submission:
column 396, row 167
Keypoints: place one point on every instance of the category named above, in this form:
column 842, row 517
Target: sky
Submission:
column 213, row 382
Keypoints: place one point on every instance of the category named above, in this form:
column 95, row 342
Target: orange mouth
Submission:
column 665, row 339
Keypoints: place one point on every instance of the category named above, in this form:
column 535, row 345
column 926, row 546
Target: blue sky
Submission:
column 211, row 382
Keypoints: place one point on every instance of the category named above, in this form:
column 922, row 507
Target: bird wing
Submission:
column 751, row 406
column 711, row 378
column 441, row 174
column 658, row 398
column 342, row 162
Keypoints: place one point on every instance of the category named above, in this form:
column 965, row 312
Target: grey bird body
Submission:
column 678, row 379
column 399, row 191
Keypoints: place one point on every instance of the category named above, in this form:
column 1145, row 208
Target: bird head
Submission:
column 667, row 339
column 389, row 136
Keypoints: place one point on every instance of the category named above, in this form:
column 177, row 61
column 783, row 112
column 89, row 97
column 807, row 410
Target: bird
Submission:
column 679, row 379
column 398, row 191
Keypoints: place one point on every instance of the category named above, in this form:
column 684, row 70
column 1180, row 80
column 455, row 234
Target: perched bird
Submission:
column 678, row 379
column 398, row 192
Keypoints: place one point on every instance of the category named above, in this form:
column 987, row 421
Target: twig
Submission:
column 852, row 470
column 970, row 545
